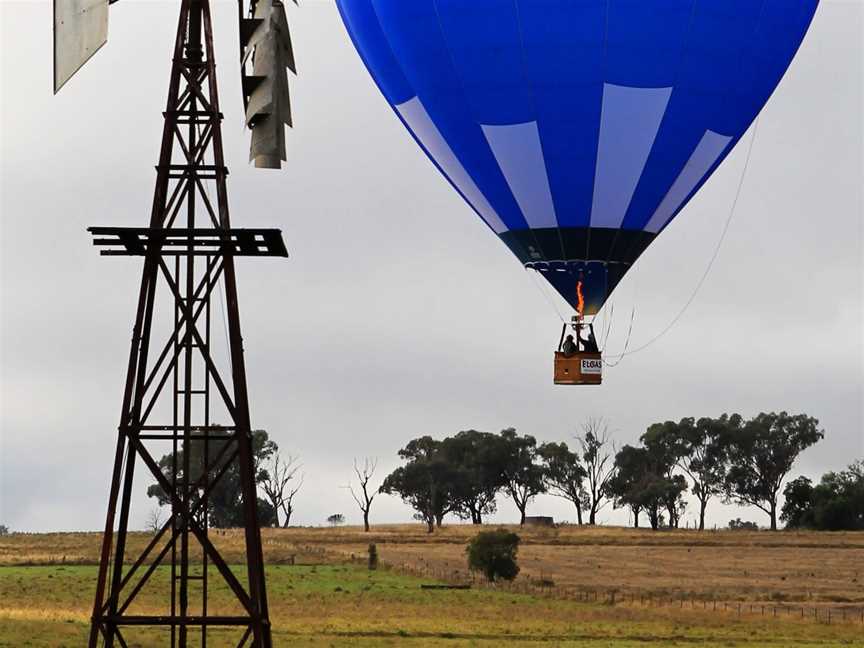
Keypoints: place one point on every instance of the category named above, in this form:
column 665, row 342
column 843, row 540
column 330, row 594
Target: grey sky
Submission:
column 399, row 314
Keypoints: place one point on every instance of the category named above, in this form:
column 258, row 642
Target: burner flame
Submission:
column 580, row 303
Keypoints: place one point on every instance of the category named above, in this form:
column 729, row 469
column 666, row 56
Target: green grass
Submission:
column 345, row 605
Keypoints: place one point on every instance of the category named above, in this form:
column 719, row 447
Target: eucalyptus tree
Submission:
column 643, row 481
column 836, row 503
column 665, row 451
column 564, row 475
column 521, row 471
column 477, row 458
column 224, row 505
column 425, row 482
column 762, row 451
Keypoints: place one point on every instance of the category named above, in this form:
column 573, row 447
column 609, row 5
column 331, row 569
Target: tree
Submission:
column 838, row 500
column 761, row 453
column 635, row 484
column 700, row 451
column 276, row 482
column 365, row 495
column 797, row 509
column 643, row 481
column 626, row 486
column 595, row 445
column 224, row 507
column 476, row 458
column 563, row 475
column 425, row 482
column 336, row 519
column 664, row 453
column 155, row 519
column 288, row 501
column 494, row 554
column 521, row 473
column 836, row 503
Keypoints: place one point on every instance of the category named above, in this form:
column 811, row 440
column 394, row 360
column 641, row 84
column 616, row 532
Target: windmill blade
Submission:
column 80, row 29
column 266, row 45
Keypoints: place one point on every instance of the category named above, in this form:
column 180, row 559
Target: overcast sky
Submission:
column 399, row 314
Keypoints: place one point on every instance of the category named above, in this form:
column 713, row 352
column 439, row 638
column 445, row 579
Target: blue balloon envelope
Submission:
column 577, row 129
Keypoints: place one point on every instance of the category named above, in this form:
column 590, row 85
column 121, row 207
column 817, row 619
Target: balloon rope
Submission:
column 620, row 357
column 629, row 328
column 705, row 274
column 549, row 299
column 607, row 323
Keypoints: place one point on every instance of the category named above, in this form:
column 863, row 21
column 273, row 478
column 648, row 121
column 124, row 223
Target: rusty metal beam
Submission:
column 184, row 368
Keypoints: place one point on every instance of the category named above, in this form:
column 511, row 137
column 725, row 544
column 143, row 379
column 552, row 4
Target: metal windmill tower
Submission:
column 176, row 399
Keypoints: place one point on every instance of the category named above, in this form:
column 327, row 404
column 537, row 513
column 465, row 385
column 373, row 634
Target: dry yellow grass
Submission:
column 346, row 605
column 811, row 567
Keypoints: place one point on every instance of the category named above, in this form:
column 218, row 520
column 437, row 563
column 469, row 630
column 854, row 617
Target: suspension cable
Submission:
column 606, row 328
column 546, row 296
column 710, row 265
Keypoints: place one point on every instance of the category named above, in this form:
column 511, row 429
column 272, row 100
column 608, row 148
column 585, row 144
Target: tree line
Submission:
column 834, row 504
column 463, row 474
column 736, row 460
column 728, row 458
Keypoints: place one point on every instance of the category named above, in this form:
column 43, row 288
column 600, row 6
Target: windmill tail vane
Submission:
column 266, row 47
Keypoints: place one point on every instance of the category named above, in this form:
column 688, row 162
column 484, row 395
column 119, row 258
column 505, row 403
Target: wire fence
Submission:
column 826, row 613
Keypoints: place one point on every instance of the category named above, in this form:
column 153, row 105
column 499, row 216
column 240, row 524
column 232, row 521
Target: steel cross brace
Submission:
column 191, row 226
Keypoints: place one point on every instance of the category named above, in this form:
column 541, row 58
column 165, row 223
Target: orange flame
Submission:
column 580, row 304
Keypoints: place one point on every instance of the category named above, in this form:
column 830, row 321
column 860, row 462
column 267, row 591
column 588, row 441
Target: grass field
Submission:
column 46, row 587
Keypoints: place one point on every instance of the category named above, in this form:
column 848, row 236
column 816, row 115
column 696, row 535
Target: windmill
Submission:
column 177, row 400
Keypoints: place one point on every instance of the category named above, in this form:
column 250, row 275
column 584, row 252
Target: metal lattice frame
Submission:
column 187, row 250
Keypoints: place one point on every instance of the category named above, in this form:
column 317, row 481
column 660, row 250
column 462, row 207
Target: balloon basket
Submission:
column 582, row 368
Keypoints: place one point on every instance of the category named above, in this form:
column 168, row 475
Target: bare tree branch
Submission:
column 155, row 519
column 364, row 495
column 288, row 501
column 598, row 452
column 279, row 473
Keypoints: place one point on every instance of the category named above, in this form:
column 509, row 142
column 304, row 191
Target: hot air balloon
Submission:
column 577, row 129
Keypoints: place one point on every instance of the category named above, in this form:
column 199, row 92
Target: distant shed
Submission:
column 539, row 520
